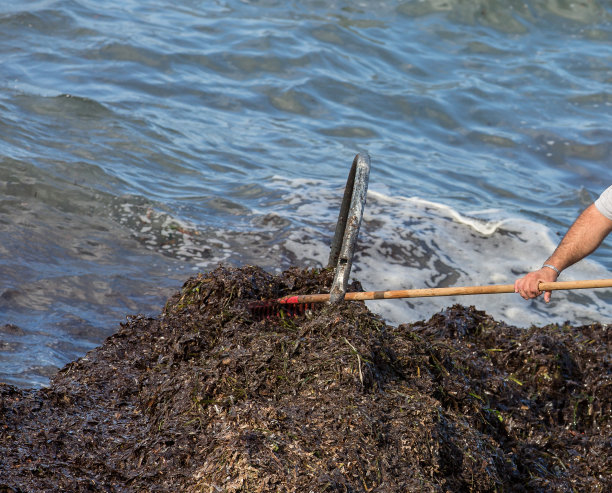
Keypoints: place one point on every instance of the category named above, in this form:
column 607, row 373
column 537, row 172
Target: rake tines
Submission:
column 288, row 307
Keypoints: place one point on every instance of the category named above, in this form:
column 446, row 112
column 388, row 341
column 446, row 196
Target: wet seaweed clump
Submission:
column 204, row 398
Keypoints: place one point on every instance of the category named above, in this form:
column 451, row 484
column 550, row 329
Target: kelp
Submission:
column 205, row 398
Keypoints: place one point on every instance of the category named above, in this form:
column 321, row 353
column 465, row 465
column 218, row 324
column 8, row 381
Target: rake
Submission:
column 297, row 305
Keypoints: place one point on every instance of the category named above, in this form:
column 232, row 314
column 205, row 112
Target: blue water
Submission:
column 143, row 141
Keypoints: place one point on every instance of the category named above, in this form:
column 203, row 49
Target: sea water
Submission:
column 142, row 141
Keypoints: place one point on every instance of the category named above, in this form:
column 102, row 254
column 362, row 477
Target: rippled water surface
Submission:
column 142, row 141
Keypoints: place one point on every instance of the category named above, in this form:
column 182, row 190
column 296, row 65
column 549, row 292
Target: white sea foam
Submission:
column 404, row 243
column 159, row 231
column 410, row 242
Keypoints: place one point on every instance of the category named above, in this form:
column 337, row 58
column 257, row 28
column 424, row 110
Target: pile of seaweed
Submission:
column 204, row 398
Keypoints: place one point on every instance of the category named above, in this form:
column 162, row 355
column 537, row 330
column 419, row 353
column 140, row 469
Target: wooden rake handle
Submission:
column 451, row 291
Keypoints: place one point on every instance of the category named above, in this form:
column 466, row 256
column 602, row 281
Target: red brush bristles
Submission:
column 289, row 307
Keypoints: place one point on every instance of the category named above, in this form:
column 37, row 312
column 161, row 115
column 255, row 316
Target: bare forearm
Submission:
column 584, row 236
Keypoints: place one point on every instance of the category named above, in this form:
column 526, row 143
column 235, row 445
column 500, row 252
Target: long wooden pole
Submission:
column 451, row 291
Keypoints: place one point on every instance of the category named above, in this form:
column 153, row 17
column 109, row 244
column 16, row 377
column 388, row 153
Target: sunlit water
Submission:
column 143, row 141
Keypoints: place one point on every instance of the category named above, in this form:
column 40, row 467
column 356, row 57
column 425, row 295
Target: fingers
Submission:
column 528, row 286
column 528, row 290
column 519, row 288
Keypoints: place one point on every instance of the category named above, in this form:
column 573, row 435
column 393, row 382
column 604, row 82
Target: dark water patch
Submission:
column 514, row 16
column 66, row 107
column 46, row 20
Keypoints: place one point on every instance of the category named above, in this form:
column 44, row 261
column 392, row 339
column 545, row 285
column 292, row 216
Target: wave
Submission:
column 404, row 243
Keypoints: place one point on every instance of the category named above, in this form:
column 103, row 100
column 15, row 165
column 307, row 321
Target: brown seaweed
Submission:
column 203, row 398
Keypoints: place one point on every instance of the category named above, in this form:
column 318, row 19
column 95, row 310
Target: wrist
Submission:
column 550, row 266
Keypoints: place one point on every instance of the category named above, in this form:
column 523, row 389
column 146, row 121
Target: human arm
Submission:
column 583, row 238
